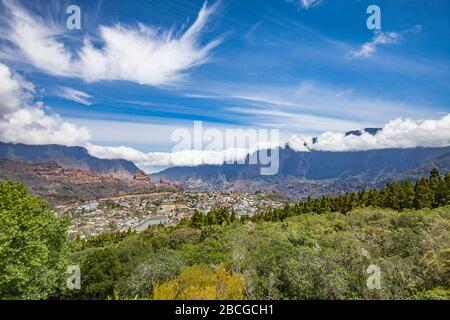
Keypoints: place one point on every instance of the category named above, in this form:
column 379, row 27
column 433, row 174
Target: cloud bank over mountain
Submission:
column 398, row 133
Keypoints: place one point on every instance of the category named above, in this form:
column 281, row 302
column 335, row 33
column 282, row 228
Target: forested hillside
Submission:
column 316, row 249
column 308, row 256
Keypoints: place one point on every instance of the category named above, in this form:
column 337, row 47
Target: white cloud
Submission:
column 398, row 133
column 186, row 157
column 379, row 38
column 10, row 92
column 37, row 41
column 306, row 4
column 316, row 106
column 74, row 95
column 145, row 55
column 293, row 120
column 167, row 159
column 31, row 125
column 24, row 122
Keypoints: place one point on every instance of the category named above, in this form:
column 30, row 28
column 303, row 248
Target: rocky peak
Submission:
column 140, row 176
column 371, row 131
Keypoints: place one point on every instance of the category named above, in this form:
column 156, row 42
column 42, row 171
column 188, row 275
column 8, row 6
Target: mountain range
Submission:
column 314, row 173
column 67, row 157
column 301, row 174
column 62, row 185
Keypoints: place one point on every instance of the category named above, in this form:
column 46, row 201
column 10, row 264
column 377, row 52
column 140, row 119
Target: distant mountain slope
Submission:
column 61, row 185
column 67, row 157
column 307, row 173
column 442, row 163
column 318, row 165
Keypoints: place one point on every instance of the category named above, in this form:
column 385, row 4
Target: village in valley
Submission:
column 139, row 211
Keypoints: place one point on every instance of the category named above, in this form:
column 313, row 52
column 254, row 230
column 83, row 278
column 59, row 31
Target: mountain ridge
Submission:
column 303, row 174
column 67, row 157
column 61, row 185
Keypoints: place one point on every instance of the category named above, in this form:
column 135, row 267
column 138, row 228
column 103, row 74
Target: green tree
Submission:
column 34, row 248
column 434, row 174
column 159, row 267
column 406, row 199
column 197, row 220
column 100, row 270
column 423, row 194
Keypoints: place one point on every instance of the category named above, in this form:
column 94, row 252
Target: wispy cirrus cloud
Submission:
column 292, row 120
column 317, row 106
column 142, row 54
column 306, row 4
column 74, row 95
column 380, row 38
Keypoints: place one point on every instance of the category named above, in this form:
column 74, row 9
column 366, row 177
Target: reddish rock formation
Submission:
column 140, row 176
column 60, row 185
column 166, row 182
column 46, row 169
column 51, row 169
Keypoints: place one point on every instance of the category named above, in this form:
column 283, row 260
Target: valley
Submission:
column 137, row 212
column 97, row 200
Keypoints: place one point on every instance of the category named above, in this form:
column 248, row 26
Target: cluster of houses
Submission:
column 142, row 210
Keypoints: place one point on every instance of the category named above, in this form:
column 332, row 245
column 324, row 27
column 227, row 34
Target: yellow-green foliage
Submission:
column 199, row 283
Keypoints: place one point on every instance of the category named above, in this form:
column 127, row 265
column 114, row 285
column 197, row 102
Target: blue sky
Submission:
column 271, row 63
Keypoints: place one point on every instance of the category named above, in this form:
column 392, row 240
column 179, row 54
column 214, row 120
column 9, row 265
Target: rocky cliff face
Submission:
column 141, row 177
column 51, row 169
column 169, row 183
column 60, row 185
column 67, row 157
